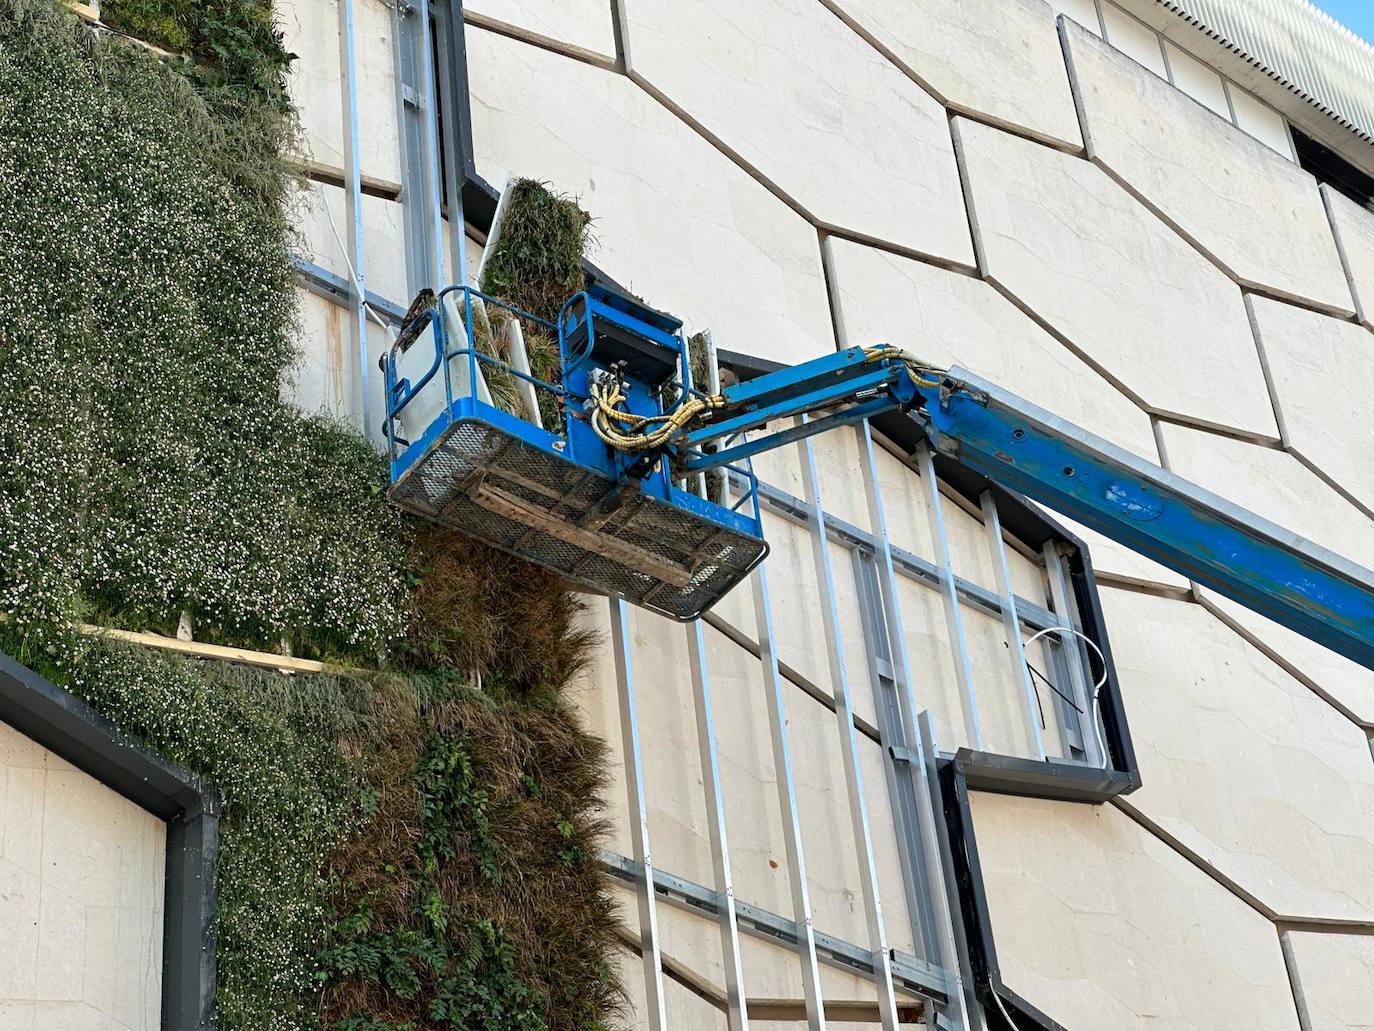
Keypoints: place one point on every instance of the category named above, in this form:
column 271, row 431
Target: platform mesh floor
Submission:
column 648, row 552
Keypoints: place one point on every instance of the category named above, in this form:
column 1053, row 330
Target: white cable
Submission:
column 352, row 272
column 1005, row 1015
column 1097, row 688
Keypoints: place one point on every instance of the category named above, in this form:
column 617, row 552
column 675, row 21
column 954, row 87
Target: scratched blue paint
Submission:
column 1161, row 520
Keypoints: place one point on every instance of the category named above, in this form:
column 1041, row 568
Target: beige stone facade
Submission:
column 81, row 899
column 1115, row 229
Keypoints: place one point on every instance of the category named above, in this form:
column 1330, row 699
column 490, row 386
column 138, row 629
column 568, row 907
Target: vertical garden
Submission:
column 398, row 849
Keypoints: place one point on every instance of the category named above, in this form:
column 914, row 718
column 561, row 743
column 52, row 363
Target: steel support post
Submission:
column 787, row 803
column 844, row 715
column 1011, row 622
column 353, row 202
column 942, row 915
column 448, row 16
column 897, row 766
column 954, row 621
column 420, row 186
column 1076, row 657
column 650, row 942
column 737, row 1007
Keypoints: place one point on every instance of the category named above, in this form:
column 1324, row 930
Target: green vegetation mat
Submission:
column 398, row 849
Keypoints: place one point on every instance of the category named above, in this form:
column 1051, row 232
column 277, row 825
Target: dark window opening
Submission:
column 1329, row 167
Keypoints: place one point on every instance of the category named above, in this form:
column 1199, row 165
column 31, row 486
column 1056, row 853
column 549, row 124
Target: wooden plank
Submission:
column 496, row 500
column 333, row 175
column 216, row 652
column 219, row 652
column 85, row 12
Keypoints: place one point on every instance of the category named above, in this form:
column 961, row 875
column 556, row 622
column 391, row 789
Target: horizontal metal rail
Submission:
column 913, row 566
column 908, row 973
column 333, row 287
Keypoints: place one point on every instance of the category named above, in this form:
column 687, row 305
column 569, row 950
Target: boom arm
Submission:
column 1220, row 545
column 587, row 493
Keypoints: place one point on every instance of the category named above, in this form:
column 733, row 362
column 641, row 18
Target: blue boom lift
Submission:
column 583, row 476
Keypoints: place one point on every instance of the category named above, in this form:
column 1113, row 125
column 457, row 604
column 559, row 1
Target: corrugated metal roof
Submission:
column 1297, row 45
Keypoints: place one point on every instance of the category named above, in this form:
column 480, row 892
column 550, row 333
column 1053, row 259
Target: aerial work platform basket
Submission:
column 530, row 477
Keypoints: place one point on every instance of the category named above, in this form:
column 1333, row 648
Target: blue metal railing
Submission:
column 400, row 392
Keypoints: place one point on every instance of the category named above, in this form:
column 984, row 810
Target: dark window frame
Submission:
column 71, row 729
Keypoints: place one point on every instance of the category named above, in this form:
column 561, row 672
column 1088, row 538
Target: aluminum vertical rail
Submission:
column 649, row 940
column 1011, row 622
column 954, row 621
column 736, row 1006
column 973, row 1016
column 901, row 785
column 939, row 889
column 1074, row 655
column 844, row 716
column 434, row 200
column 420, row 187
column 353, row 201
column 446, row 14
column 787, row 804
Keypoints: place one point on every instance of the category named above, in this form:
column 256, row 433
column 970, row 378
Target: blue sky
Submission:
column 1356, row 15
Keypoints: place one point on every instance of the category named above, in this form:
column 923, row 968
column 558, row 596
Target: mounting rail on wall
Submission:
column 587, row 474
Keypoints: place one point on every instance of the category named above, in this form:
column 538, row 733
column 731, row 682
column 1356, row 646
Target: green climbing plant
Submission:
column 397, row 851
column 153, row 465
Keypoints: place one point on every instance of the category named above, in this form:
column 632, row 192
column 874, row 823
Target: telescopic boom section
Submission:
column 988, row 429
column 1208, row 539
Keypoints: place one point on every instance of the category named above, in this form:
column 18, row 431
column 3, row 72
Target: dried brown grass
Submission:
column 485, row 612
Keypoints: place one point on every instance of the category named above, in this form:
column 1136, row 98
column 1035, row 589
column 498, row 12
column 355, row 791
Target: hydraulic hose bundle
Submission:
column 626, row 431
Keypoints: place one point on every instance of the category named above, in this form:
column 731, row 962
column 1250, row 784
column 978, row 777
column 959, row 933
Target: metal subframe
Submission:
column 421, row 190
column 1075, row 656
column 736, row 1004
column 844, row 717
column 906, row 724
column 644, row 876
column 1066, row 777
column 334, row 288
column 911, row 974
column 451, row 83
column 897, row 754
column 907, row 563
column 949, row 594
column 803, row 933
column 1011, row 623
